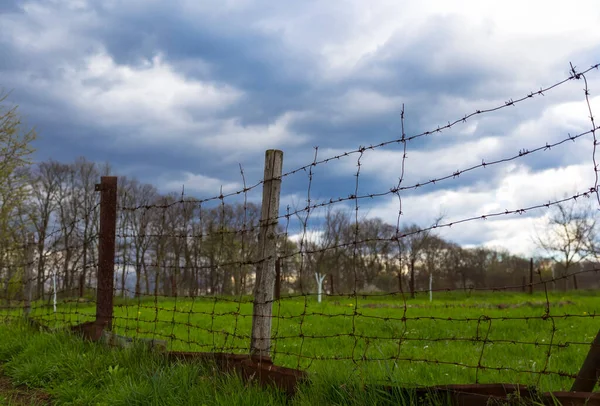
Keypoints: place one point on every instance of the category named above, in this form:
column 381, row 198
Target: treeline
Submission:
column 49, row 215
column 173, row 246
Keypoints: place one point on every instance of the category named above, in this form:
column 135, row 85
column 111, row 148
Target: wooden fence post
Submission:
column 106, row 250
column 28, row 274
column 260, row 343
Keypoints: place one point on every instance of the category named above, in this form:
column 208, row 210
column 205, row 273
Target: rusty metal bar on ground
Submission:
column 590, row 370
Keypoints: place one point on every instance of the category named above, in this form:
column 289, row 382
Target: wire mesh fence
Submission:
column 319, row 286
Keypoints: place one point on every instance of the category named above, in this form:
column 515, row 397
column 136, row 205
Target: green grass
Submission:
column 75, row 372
column 377, row 339
column 79, row 373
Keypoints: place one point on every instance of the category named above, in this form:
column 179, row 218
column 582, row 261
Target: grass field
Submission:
column 381, row 339
column 59, row 369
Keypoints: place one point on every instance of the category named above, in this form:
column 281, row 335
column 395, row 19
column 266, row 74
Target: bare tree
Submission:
column 433, row 259
column 141, row 197
column 415, row 242
column 476, row 264
column 188, row 209
column 86, row 177
column 570, row 236
column 321, row 251
column 374, row 246
column 124, row 229
column 45, row 185
column 455, row 261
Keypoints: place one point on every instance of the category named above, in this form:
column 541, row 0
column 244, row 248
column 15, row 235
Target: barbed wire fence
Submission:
column 208, row 275
column 51, row 274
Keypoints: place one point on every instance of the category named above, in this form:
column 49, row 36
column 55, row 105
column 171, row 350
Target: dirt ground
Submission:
column 20, row 396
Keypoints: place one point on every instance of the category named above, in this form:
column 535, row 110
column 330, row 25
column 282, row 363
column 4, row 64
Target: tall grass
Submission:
column 75, row 372
column 382, row 339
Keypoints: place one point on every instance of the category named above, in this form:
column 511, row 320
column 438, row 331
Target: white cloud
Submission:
column 360, row 103
column 470, row 144
column 49, row 30
column 345, row 44
column 116, row 94
column 198, row 183
column 160, row 103
column 518, row 189
column 500, row 34
column 311, row 236
column 234, row 138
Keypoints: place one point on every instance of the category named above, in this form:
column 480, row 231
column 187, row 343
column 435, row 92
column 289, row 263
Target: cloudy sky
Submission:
column 183, row 92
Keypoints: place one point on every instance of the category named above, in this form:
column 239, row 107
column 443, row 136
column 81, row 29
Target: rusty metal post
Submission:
column 278, row 279
column 531, row 276
column 590, row 370
column 331, row 289
column 260, row 344
column 28, row 275
column 106, row 250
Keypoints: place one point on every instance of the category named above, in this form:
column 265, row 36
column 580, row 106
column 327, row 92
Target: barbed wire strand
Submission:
column 218, row 320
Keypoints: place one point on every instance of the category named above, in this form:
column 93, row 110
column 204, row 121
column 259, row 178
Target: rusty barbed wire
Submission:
column 511, row 102
column 393, row 294
column 187, row 277
column 586, row 91
column 401, row 235
column 395, row 190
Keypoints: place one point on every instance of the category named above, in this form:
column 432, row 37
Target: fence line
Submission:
column 194, row 266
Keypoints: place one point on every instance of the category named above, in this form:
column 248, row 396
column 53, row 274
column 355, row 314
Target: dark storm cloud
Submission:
column 277, row 78
column 10, row 59
column 10, row 6
column 431, row 61
column 430, row 72
column 274, row 76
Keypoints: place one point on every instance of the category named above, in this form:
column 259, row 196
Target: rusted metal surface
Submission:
column 286, row 379
column 28, row 275
column 91, row 330
column 221, row 359
column 531, row 276
column 278, row 279
column 572, row 398
column 590, row 370
column 106, row 249
column 250, row 368
column 265, row 374
column 499, row 394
